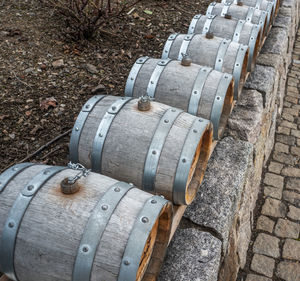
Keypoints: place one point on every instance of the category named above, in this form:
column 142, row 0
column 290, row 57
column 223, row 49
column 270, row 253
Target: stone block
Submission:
column 295, row 150
column 265, row 223
column 287, row 229
column 263, row 265
column 284, row 130
column 274, row 192
column 227, row 171
column 265, row 80
column 276, row 42
column 291, row 172
column 281, row 147
column 291, row 249
column 292, row 197
column 290, row 140
column 284, row 158
column 294, row 213
column 192, row 255
column 293, row 183
column 288, row 271
column 275, row 167
column 274, row 208
column 286, row 123
column 295, row 133
column 267, row 245
column 245, row 120
column 273, row 180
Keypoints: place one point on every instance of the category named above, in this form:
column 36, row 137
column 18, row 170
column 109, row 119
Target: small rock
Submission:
column 12, row 136
column 99, row 89
column 91, row 68
column 29, row 70
column 58, row 63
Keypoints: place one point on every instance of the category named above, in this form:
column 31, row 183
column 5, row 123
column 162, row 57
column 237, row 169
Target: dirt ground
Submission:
column 45, row 77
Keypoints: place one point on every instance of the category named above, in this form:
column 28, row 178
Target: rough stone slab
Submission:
column 287, row 229
column 276, row 42
column 245, row 120
column 288, row 271
column 291, row 249
column 192, row 255
column 264, row 79
column 227, row 171
column 284, row 18
column 291, row 172
column 263, row 265
column 273, row 60
column 266, row 245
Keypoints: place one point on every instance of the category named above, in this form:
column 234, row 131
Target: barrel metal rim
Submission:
column 250, row 14
column 79, row 124
column 238, row 30
column 95, row 228
column 222, row 50
column 193, row 23
column 192, row 140
column 238, row 67
column 225, row 9
column 15, row 217
column 210, row 8
column 197, row 89
column 218, row 104
column 10, row 173
column 142, row 227
column 102, row 131
column 207, row 24
column 155, row 76
column 252, row 42
column 155, row 149
column 133, row 75
column 168, row 45
column 185, row 45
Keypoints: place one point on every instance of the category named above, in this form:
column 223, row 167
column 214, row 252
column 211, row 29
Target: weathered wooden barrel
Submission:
column 216, row 52
column 238, row 31
column 108, row 230
column 198, row 90
column 162, row 150
column 249, row 14
column 265, row 5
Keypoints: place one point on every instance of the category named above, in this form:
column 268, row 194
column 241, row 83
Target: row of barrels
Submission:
column 89, row 221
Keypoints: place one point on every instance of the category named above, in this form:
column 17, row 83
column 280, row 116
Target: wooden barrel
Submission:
column 265, row 5
column 219, row 53
column 236, row 30
column 107, row 231
column 249, row 14
column 162, row 150
column 196, row 89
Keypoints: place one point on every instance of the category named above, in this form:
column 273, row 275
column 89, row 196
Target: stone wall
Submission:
column 213, row 238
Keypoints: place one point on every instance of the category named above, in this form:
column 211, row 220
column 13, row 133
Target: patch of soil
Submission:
column 45, row 77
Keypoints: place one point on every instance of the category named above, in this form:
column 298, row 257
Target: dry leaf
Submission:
column 48, row 102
